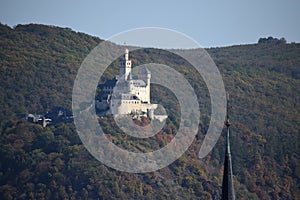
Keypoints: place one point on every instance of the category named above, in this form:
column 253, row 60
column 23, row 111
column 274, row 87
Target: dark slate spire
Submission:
column 227, row 185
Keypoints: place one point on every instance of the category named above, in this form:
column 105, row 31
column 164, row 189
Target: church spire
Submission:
column 227, row 185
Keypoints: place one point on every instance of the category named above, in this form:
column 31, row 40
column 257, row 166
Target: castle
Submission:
column 127, row 94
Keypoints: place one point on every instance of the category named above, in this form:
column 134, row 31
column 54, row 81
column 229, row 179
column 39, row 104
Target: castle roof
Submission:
column 145, row 70
column 129, row 97
column 139, row 83
column 110, row 83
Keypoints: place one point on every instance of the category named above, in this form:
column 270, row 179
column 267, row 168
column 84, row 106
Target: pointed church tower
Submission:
column 125, row 66
column 227, row 185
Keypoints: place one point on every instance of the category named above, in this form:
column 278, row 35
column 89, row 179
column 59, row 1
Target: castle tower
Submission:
column 125, row 65
column 227, row 185
column 146, row 77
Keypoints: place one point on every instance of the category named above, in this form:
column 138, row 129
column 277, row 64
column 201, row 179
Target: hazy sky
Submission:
column 211, row 23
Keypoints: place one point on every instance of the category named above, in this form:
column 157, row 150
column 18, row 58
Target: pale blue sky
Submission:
column 211, row 23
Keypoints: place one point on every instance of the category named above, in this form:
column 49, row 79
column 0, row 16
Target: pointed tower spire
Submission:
column 227, row 185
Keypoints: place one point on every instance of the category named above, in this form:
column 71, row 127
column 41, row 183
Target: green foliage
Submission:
column 38, row 65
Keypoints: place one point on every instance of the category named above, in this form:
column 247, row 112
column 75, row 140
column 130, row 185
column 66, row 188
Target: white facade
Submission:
column 131, row 96
column 125, row 66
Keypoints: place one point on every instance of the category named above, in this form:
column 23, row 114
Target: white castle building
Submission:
column 127, row 94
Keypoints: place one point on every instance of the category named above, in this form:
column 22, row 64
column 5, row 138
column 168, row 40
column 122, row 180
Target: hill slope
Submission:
column 38, row 65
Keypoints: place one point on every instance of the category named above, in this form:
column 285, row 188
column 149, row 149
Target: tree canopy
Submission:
column 38, row 65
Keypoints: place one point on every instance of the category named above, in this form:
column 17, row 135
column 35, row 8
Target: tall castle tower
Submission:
column 125, row 66
column 146, row 77
column 227, row 185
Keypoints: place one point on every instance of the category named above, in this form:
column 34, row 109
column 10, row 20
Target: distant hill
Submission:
column 38, row 65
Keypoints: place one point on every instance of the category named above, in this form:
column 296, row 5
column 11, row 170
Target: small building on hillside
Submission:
column 38, row 119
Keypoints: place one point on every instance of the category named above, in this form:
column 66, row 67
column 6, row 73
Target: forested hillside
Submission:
column 38, row 65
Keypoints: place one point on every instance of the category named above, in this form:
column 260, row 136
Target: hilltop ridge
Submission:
column 38, row 65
